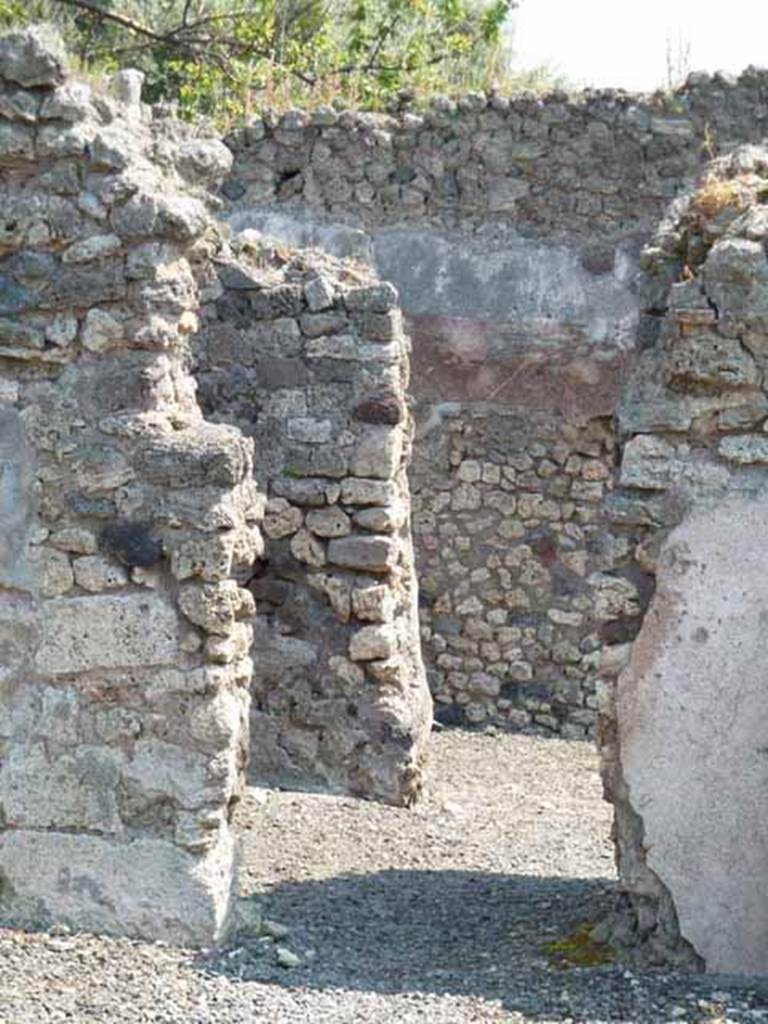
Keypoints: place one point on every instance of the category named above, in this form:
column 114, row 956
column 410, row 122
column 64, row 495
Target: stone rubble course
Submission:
column 513, row 556
column 123, row 692
column 682, row 709
column 307, row 355
column 579, row 164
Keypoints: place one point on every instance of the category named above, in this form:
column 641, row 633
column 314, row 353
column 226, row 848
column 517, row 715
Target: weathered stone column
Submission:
column 124, row 637
column 685, row 707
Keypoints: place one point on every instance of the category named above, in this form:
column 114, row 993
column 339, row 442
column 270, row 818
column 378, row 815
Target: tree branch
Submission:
column 117, row 19
column 211, row 19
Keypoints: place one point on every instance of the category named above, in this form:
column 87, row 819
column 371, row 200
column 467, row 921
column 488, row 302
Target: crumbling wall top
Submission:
column 593, row 167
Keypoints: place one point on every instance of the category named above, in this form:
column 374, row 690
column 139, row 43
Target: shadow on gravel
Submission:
column 453, row 932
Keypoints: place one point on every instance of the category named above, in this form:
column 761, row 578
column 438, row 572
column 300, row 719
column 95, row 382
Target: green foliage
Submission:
column 225, row 57
column 16, row 12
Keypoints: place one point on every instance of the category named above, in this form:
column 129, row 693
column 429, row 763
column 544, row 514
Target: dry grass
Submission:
column 279, row 92
column 713, row 196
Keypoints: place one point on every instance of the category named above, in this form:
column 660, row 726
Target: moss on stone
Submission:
column 578, row 949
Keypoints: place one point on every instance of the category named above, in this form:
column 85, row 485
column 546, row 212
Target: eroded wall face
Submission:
column 15, row 494
column 308, row 356
column 124, row 636
column 683, row 709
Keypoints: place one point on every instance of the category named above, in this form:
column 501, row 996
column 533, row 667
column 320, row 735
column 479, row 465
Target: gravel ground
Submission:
column 436, row 914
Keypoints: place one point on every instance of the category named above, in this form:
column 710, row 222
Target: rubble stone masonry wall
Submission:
column 512, row 228
column 124, row 636
column 587, row 447
column 307, row 356
column 574, row 166
column 683, row 708
column 131, row 561
column 513, row 553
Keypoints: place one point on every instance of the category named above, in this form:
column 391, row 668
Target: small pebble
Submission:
column 274, row 929
column 286, row 957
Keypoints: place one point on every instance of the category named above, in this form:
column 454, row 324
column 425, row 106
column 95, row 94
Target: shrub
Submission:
column 224, row 58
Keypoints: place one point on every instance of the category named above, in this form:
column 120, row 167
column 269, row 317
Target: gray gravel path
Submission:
column 437, row 914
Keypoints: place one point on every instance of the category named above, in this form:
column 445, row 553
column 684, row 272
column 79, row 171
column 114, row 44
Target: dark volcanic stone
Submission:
column 132, row 544
column 382, row 408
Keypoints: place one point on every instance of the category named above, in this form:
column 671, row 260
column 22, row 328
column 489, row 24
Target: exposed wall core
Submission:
column 124, row 650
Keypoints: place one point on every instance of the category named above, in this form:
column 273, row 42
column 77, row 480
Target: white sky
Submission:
column 623, row 43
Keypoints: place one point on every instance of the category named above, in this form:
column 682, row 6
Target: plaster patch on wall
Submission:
column 500, row 275
column 340, row 240
column 495, row 275
column 692, row 714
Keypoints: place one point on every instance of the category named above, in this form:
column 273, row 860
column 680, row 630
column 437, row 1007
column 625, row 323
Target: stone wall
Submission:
column 131, row 563
column 544, row 341
column 512, row 228
column 307, row 356
column 124, row 516
column 683, row 708
column 552, row 588
column 512, row 554
column 521, row 345
column 600, row 163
